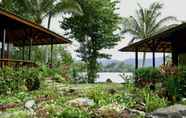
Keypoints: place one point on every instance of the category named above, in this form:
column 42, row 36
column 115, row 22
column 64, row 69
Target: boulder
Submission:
column 175, row 111
column 81, row 102
column 110, row 111
column 131, row 113
column 30, row 105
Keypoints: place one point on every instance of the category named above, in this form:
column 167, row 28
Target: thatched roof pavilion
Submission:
column 172, row 41
column 20, row 32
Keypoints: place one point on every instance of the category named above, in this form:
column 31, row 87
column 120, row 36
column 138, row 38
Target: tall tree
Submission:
column 95, row 30
column 146, row 23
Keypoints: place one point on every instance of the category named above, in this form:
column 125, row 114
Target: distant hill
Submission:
column 148, row 62
column 126, row 65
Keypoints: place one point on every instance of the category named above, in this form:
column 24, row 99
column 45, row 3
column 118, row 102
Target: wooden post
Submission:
column 3, row 44
column 30, row 50
column 164, row 60
column 153, row 60
column 174, row 51
column 8, row 49
column 136, row 59
column 153, row 54
column 23, row 52
column 175, row 57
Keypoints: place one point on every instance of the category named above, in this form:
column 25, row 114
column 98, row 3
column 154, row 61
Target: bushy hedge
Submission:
column 147, row 76
column 172, row 79
column 12, row 80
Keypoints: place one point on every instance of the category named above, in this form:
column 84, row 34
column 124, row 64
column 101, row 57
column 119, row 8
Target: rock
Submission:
column 130, row 113
column 175, row 111
column 137, row 112
column 140, row 106
column 125, row 114
column 30, row 105
column 110, row 111
column 81, row 102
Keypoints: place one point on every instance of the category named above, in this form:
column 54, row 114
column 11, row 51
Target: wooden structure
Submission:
column 19, row 32
column 172, row 41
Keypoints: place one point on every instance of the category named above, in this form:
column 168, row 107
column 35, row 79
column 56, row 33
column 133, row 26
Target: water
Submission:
column 114, row 76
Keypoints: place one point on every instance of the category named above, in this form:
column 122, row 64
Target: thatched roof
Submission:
column 173, row 38
column 20, row 31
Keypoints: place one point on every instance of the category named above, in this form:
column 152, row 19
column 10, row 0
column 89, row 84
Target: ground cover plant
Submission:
column 53, row 101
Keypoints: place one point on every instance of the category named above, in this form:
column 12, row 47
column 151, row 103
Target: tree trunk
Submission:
column 46, row 48
column 92, row 70
column 144, row 58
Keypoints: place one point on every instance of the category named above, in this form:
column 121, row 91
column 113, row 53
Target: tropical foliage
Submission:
column 95, row 30
column 37, row 10
column 146, row 23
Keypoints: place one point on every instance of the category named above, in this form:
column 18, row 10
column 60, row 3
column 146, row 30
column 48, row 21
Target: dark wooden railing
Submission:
column 16, row 63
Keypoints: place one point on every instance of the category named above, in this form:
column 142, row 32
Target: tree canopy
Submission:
column 95, row 30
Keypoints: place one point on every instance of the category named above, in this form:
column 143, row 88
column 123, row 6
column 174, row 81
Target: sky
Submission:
column 175, row 8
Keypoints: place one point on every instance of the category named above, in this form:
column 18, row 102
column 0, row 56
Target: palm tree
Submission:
column 146, row 23
column 37, row 10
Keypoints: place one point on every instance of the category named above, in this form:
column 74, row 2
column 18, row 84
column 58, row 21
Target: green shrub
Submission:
column 147, row 76
column 58, row 78
column 151, row 100
column 47, row 72
column 174, row 82
column 173, row 88
column 183, row 81
column 70, row 112
column 99, row 95
column 10, row 80
column 32, row 79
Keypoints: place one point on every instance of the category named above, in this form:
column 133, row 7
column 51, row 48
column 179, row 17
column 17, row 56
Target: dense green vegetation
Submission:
column 171, row 80
column 57, row 92
column 56, row 103
column 95, row 30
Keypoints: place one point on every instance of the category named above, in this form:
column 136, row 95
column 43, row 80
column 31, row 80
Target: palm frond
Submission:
column 68, row 6
column 162, row 22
